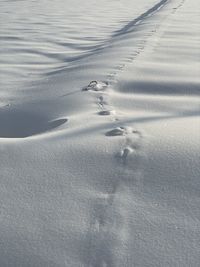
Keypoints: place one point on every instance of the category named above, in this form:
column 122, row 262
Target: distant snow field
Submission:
column 100, row 133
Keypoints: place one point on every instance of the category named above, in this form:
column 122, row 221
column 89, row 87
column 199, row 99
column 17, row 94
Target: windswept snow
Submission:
column 99, row 149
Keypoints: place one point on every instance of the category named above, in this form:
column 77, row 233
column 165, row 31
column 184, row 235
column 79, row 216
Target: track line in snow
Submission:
column 104, row 233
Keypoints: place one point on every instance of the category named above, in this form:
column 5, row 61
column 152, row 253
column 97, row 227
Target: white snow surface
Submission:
column 99, row 155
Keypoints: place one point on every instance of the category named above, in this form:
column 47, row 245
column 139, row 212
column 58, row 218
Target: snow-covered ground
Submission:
column 99, row 147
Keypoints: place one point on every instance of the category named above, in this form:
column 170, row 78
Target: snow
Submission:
column 100, row 157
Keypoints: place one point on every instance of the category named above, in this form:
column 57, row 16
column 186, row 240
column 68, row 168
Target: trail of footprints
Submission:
column 107, row 219
column 108, row 224
column 141, row 45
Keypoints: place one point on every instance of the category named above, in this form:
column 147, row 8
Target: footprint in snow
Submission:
column 106, row 112
column 101, row 102
column 96, row 86
column 126, row 152
column 120, row 131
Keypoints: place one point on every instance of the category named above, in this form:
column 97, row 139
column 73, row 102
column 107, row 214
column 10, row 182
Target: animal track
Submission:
column 106, row 112
column 116, row 132
column 121, row 131
column 101, row 102
column 125, row 152
column 129, row 156
column 123, row 155
column 96, row 86
column 128, row 172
